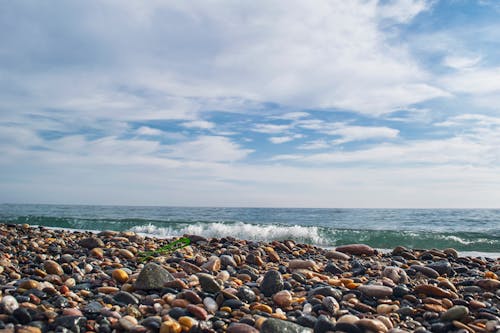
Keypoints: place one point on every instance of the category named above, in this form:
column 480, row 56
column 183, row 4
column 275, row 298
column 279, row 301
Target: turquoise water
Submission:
column 463, row 229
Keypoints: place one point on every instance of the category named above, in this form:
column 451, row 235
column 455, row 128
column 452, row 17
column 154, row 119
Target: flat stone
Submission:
column 273, row 325
column 376, row 291
column 356, row 249
column 241, row 328
column 91, row 242
column 208, row 283
column 456, row 312
column 152, row 276
column 126, row 298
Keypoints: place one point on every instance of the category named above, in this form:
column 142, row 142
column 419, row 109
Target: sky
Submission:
column 324, row 103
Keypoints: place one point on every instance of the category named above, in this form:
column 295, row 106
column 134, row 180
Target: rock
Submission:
column 431, row 290
column 357, row 249
column 210, row 304
column 427, row 271
column 489, row 284
column 456, row 312
column 213, row 264
column 197, row 311
column 376, row 291
column 128, row 322
column 246, row 294
column 451, row 252
column 373, row 325
column 396, row 274
column 126, row 298
column 227, row 260
column 22, row 315
column 208, row 283
column 272, row 283
column 337, row 255
column 9, row 304
column 120, row 275
column 28, row 329
column 331, row 304
column 283, row 298
column 29, row 284
column 326, row 291
column 323, row 324
column 272, row 325
column 53, row 267
column 441, row 266
column 152, row 276
column 334, row 269
column 301, row 264
column 91, row 242
column 126, row 254
column 73, row 323
column 241, row 328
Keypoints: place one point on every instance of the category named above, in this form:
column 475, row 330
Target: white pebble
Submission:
column 9, row 303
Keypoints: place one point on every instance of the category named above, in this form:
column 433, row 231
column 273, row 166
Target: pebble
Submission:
column 152, row 276
column 53, row 267
column 376, row 291
column 356, row 249
column 283, row 298
column 9, row 304
column 272, row 325
column 457, row 312
column 241, row 328
column 272, row 283
column 208, row 283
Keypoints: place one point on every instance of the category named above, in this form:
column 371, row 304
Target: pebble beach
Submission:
column 75, row 281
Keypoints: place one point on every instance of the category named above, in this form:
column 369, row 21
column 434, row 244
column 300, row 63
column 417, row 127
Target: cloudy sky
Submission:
column 360, row 103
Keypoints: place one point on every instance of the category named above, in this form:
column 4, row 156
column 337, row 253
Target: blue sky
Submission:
column 220, row 103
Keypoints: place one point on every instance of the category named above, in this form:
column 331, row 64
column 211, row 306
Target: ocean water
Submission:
column 475, row 230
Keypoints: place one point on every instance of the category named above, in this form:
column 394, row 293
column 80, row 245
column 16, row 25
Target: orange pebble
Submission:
column 491, row 275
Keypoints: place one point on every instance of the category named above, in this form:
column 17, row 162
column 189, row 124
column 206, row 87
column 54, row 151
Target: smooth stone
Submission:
column 427, row 271
column 22, row 315
column 323, row 324
column 307, row 321
column 152, row 323
column 330, row 304
column 283, row 298
column 431, row 290
column 272, row 283
column 53, row 267
column 73, row 323
column 29, row 284
column 208, row 283
column 376, row 291
column 227, row 260
column 273, row 325
column 128, row 322
column 126, row 298
column 197, row 311
column 213, row 264
column 241, row 328
column 337, row 255
column 372, row 324
column 210, row 304
column 356, row 249
column 91, row 242
column 451, row 252
column 152, row 276
column 456, row 312
column 441, row 266
column 301, row 264
column 489, row 284
column 126, row 254
column 9, row 304
column 334, row 269
column 246, row 294
column 326, row 291
column 120, row 275
column 347, row 327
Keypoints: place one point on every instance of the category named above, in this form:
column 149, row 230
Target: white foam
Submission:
column 239, row 230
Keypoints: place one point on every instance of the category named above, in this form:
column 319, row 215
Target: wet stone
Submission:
column 125, row 298
column 22, row 315
column 241, row 328
column 91, row 242
column 272, row 325
column 272, row 283
column 442, row 267
column 208, row 283
column 246, row 294
column 456, row 312
column 152, row 276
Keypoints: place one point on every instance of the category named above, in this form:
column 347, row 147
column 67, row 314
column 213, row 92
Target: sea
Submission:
column 471, row 231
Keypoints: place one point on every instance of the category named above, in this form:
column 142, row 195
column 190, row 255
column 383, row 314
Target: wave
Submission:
column 317, row 235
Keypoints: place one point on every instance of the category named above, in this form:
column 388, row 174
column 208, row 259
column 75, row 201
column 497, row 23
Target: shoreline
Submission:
column 84, row 281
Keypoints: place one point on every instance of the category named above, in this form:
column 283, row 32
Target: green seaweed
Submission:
column 170, row 247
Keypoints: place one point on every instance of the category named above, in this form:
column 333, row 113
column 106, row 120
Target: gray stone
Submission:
column 91, row 242
column 208, row 283
column 126, row 298
column 272, row 325
column 272, row 283
column 152, row 276
column 456, row 312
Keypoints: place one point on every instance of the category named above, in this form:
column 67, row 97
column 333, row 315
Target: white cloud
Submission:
column 203, row 124
column 292, row 116
column 280, row 139
column 313, row 145
column 209, row 148
column 477, row 81
column 461, row 62
column 148, row 131
column 350, row 133
column 402, row 11
column 271, row 128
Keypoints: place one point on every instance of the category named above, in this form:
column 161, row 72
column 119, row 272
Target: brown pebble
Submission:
column 120, row 275
column 356, row 249
column 197, row 311
column 241, row 328
column 29, row 284
column 53, row 267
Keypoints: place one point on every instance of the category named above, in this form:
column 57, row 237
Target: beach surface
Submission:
column 56, row 280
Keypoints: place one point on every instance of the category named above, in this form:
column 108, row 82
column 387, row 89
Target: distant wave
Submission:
column 318, row 235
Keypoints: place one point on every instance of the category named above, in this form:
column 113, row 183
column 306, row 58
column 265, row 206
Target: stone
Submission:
column 22, row 315
column 283, row 298
column 427, row 271
column 331, row 304
column 489, row 284
column 241, row 328
column 337, row 255
column 246, row 294
column 128, row 322
column 199, row 312
column 441, row 266
column 73, row 323
column 373, row 325
column 301, row 264
column 272, row 283
column 125, row 298
column 29, row 284
column 356, row 249
column 323, row 324
column 152, row 276
column 213, row 264
column 227, row 260
column 431, row 290
column 9, row 304
column 91, row 242
column 457, row 312
column 208, row 283
column 53, row 267
column 273, row 325
column 120, row 275
column 377, row 291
